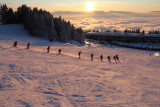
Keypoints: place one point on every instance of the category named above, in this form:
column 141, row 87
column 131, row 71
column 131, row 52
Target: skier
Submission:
column 15, row 44
column 48, row 49
column 101, row 57
column 117, row 58
column 114, row 58
column 28, row 45
column 92, row 56
column 60, row 50
column 79, row 54
column 109, row 58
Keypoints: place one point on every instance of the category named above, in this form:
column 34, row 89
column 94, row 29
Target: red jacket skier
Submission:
column 28, row 45
column 48, row 49
column 59, row 51
column 15, row 44
column 92, row 56
column 114, row 58
column 109, row 58
column 101, row 57
column 79, row 54
column 117, row 57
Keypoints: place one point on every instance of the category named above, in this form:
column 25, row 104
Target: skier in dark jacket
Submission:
column 117, row 58
column 114, row 58
column 28, row 45
column 92, row 56
column 48, row 49
column 109, row 58
column 101, row 57
column 60, row 50
column 79, row 54
column 15, row 44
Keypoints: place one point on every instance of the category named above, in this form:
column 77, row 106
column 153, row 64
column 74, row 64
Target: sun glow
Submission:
column 89, row 6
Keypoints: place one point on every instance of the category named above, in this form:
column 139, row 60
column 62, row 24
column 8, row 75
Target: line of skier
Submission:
column 116, row 58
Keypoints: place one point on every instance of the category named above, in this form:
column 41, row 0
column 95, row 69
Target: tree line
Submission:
column 154, row 32
column 127, row 31
column 134, row 31
column 143, row 31
column 40, row 23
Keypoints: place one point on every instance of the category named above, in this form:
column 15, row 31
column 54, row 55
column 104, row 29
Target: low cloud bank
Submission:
column 120, row 20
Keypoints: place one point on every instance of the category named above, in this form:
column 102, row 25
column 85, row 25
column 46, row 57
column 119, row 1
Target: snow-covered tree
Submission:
column 21, row 13
column 80, row 35
column 41, row 23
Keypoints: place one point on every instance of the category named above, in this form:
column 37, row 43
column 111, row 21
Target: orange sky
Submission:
column 81, row 5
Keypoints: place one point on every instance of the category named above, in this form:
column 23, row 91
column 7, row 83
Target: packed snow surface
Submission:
column 34, row 78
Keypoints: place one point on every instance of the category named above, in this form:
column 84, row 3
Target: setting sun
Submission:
column 89, row 6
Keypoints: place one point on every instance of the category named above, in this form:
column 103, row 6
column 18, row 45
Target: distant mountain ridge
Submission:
column 109, row 13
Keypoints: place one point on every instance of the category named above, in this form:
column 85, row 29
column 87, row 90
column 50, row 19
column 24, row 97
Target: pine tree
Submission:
column 57, row 23
column 4, row 10
column 114, row 30
column 138, row 31
column 28, row 21
column 73, row 33
column 52, row 33
column 10, row 16
column 21, row 13
column 79, row 35
column 126, row 31
column 143, row 32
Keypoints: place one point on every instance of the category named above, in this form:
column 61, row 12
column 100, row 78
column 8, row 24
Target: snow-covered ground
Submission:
column 34, row 78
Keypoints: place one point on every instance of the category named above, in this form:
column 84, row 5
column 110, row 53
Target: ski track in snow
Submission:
column 34, row 78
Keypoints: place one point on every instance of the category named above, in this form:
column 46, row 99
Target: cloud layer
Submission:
column 120, row 20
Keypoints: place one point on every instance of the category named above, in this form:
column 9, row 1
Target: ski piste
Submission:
column 36, row 78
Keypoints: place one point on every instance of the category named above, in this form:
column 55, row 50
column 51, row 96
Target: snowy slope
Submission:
column 34, row 78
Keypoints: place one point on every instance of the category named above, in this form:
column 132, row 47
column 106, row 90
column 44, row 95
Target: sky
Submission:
column 141, row 6
column 139, row 13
